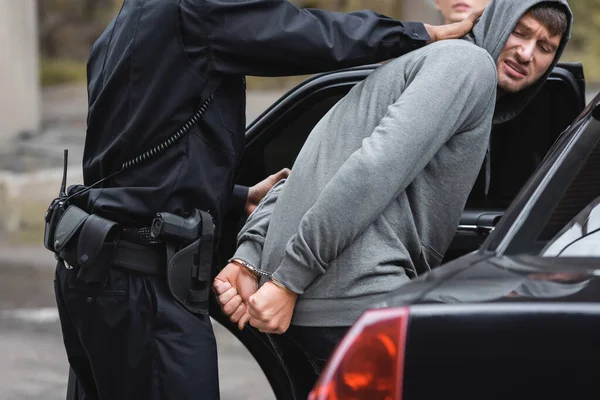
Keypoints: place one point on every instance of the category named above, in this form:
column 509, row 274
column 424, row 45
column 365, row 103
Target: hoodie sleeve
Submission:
column 252, row 236
column 274, row 37
column 448, row 92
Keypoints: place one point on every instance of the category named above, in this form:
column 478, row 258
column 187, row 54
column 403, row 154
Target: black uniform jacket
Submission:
column 158, row 60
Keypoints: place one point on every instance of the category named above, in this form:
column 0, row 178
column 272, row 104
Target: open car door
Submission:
column 517, row 147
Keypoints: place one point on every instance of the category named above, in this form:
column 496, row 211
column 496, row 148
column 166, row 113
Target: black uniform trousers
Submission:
column 129, row 339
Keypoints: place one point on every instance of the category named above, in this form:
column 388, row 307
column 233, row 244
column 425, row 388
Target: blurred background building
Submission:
column 19, row 72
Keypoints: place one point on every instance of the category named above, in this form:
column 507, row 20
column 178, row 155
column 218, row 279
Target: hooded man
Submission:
column 377, row 191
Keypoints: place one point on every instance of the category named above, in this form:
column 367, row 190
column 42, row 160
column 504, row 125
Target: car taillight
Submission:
column 369, row 361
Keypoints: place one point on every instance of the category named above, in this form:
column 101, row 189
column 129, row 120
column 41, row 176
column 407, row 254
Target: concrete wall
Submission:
column 19, row 82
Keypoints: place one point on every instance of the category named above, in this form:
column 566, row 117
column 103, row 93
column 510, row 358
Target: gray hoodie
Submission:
column 377, row 191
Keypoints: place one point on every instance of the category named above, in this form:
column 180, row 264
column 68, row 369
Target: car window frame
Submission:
column 524, row 220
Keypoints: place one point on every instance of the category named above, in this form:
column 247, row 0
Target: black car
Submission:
column 552, row 138
column 519, row 318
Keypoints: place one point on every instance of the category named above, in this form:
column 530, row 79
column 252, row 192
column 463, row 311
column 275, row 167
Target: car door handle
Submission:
column 478, row 229
column 482, row 225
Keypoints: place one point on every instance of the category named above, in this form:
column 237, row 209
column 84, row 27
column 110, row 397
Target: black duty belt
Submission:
column 140, row 258
column 139, row 235
column 96, row 244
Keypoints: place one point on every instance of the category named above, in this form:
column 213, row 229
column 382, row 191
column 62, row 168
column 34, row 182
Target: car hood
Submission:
column 477, row 279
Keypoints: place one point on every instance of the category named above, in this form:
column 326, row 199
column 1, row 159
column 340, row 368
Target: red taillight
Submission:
column 369, row 362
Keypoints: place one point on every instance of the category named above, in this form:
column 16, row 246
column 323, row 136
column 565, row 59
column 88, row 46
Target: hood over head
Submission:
column 492, row 31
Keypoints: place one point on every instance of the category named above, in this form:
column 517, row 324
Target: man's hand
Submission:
column 455, row 30
column 258, row 191
column 271, row 308
column 234, row 286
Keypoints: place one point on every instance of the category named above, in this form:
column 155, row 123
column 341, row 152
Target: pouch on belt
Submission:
column 87, row 241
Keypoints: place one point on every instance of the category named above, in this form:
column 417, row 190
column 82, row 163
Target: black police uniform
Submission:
column 157, row 61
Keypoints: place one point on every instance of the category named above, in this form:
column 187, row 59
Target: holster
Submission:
column 189, row 270
column 84, row 240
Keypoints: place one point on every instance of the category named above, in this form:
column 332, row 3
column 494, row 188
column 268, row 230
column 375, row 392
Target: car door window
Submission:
column 585, row 246
column 580, row 237
column 278, row 145
column 283, row 149
column 581, row 191
column 572, row 186
column 519, row 145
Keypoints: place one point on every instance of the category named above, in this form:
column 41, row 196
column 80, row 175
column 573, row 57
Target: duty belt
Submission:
column 140, row 258
column 179, row 248
column 139, row 235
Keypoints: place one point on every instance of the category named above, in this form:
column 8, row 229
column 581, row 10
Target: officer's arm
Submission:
column 239, row 197
column 274, row 37
column 245, row 199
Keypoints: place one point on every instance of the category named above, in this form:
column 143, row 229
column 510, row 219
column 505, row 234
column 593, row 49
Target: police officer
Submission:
column 150, row 71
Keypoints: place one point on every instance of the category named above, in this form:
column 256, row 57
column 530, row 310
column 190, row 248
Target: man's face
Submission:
column 527, row 55
column 458, row 10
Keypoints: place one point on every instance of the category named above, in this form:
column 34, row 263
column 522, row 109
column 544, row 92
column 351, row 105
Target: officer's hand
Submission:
column 455, row 30
column 233, row 286
column 271, row 308
column 258, row 191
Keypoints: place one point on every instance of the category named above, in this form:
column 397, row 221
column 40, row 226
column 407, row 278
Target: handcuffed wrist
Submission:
column 246, row 266
column 249, row 249
column 277, row 283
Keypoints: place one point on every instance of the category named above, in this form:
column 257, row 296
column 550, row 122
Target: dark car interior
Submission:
column 584, row 189
column 517, row 148
column 574, row 185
